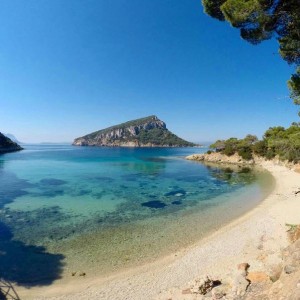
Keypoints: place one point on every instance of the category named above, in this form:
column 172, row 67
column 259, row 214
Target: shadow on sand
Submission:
column 22, row 264
column 25, row 265
column 7, row 291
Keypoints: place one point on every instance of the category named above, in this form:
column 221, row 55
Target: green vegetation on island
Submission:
column 277, row 141
column 123, row 126
column 159, row 136
column 143, row 132
column 260, row 20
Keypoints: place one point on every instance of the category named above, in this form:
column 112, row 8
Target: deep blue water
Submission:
column 52, row 197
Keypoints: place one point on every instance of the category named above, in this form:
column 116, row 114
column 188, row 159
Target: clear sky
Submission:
column 70, row 67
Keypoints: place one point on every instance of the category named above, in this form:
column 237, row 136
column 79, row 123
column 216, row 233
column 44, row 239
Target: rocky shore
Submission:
column 216, row 157
column 281, row 281
column 235, row 159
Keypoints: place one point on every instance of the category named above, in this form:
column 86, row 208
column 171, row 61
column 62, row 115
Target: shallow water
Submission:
column 67, row 209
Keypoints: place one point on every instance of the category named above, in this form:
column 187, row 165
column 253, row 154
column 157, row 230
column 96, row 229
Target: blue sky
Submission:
column 71, row 67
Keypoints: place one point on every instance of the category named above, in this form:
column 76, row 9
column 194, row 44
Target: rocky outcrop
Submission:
column 235, row 159
column 217, row 157
column 276, row 282
column 145, row 132
column 7, row 145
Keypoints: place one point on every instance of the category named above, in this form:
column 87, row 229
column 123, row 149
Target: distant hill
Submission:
column 144, row 132
column 7, row 145
column 13, row 138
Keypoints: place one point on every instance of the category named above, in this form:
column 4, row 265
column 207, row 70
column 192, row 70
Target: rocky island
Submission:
column 144, row 132
column 7, row 145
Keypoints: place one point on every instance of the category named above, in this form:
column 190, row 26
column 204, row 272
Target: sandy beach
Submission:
column 256, row 238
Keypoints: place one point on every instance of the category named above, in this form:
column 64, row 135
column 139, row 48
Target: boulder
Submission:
column 275, row 272
column 220, row 291
column 258, row 277
column 240, row 285
column 243, row 268
column 204, row 285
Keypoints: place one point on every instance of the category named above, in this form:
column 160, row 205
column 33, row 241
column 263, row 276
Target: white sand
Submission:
column 256, row 238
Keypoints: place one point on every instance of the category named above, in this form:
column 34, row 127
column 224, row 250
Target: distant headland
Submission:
column 144, row 132
column 7, row 145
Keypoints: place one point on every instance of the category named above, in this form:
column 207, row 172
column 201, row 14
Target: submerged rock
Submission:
column 176, row 202
column 154, row 204
column 52, row 181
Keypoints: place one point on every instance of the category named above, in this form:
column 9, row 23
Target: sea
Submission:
column 93, row 211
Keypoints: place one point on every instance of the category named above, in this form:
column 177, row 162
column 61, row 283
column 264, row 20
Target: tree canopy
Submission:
column 259, row 20
column 277, row 141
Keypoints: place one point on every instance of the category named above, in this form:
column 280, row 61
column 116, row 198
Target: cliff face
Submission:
column 145, row 132
column 7, row 145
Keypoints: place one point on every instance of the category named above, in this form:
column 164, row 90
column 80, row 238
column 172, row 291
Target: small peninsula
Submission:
column 7, row 145
column 144, row 132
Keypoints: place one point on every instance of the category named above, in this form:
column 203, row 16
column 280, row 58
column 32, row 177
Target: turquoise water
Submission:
column 67, row 209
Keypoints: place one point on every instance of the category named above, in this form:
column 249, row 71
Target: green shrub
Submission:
column 276, row 141
column 270, row 154
column 229, row 150
column 245, row 153
column 292, row 155
column 219, row 145
column 260, row 148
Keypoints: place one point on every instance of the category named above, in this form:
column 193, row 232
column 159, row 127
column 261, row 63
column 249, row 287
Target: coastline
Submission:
column 260, row 232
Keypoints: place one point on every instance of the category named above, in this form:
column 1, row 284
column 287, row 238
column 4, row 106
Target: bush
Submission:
column 219, row 145
column 260, row 148
column 209, row 152
column 270, row 154
column 277, row 141
column 229, row 150
column 245, row 153
column 292, row 155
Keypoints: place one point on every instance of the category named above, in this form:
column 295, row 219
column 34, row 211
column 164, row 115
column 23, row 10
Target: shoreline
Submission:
column 236, row 242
